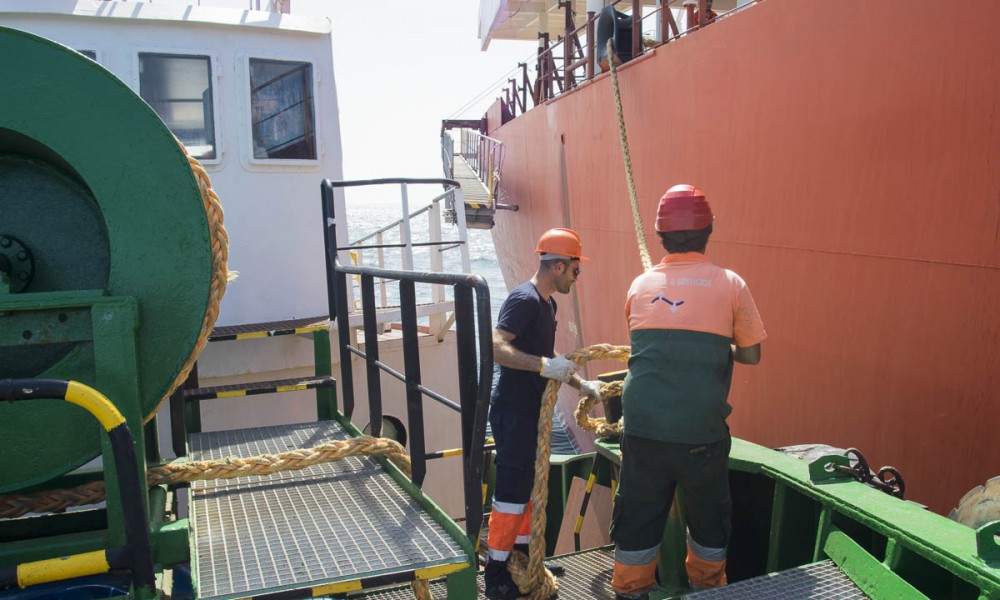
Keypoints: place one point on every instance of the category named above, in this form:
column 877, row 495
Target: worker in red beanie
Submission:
column 689, row 320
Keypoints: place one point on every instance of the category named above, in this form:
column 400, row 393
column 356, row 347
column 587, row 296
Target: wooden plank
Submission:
column 596, row 522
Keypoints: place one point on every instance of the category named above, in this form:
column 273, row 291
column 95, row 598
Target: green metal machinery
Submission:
column 105, row 272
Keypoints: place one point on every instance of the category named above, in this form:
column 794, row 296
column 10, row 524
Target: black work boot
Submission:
column 498, row 582
column 642, row 596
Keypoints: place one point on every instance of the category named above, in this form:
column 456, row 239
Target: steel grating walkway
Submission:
column 588, row 577
column 296, row 530
column 819, row 580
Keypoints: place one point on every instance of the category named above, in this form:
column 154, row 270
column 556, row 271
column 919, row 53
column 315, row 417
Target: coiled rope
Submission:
column 221, row 275
column 529, row 573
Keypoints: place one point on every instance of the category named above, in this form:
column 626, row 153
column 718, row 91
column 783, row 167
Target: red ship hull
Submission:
column 851, row 154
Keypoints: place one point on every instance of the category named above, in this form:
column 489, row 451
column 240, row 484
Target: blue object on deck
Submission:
column 84, row 588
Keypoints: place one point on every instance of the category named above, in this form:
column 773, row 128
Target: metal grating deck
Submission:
column 819, row 580
column 587, row 577
column 335, row 522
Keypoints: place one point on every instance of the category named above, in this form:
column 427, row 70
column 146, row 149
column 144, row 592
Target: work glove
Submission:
column 591, row 388
column 559, row 368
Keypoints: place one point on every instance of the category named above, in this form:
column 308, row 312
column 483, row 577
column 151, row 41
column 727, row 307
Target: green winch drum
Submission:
column 95, row 194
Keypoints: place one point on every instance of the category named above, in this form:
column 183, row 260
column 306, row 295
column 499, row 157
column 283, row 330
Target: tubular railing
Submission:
column 473, row 331
column 399, row 236
column 485, row 156
column 565, row 63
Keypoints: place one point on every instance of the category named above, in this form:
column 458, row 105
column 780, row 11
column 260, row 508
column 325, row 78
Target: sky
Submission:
column 401, row 67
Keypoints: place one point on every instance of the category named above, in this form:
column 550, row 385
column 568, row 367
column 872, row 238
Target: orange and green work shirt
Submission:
column 683, row 314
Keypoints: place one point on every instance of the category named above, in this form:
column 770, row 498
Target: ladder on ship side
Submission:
column 476, row 164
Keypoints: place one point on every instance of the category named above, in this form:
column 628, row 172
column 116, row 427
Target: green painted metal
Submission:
column 326, row 397
column 934, row 554
column 874, row 578
column 988, row 544
column 29, row 550
column 124, row 225
column 822, row 470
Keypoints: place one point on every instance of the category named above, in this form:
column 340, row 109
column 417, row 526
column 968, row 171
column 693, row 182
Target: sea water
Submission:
column 363, row 220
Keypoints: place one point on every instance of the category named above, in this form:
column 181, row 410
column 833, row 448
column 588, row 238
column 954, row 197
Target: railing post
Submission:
column 591, row 15
column 411, row 368
column 463, row 230
column 379, row 240
column 524, row 88
column 336, row 290
column 436, row 320
column 408, row 250
column 371, row 354
column 636, row 28
column 467, row 377
column 567, row 39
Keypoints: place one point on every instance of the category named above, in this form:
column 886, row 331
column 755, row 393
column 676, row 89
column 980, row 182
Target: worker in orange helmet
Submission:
column 523, row 346
column 688, row 320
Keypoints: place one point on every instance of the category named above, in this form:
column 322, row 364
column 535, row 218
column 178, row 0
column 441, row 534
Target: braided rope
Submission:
column 221, row 275
column 530, row 574
column 633, row 199
column 600, row 425
column 13, row 505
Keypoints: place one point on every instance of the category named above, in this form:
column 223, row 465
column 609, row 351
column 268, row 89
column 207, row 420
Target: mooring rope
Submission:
column 221, row 275
column 529, row 573
column 13, row 505
column 640, row 236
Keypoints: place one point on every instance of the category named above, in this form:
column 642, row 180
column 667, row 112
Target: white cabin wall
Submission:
column 272, row 211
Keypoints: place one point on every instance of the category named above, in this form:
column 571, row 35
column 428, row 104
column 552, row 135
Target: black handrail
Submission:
column 472, row 314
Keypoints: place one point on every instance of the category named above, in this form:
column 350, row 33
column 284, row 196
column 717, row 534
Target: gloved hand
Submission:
column 559, row 368
column 591, row 388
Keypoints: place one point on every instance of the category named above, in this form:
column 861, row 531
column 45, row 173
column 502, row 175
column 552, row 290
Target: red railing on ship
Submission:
column 556, row 74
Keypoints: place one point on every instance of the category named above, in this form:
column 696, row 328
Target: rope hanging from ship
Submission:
column 640, row 237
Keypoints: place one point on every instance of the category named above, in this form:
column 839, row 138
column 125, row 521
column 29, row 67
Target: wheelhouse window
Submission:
column 179, row 89
column 281, row 108
column 92, row 55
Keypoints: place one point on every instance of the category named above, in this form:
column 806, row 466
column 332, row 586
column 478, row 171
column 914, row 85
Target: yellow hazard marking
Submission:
column 231, row 394
column 337, row 588
column 310, row 329
column 65, row 567
column 290, row 388
column 95, row 402
column 252, row 334
column 590, row 483
column 440, row 570
column 579, row 524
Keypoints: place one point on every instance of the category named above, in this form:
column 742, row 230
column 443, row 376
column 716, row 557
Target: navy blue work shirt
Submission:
column 517, row 396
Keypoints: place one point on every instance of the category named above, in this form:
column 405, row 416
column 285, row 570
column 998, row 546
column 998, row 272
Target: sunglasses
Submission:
column 576, row 270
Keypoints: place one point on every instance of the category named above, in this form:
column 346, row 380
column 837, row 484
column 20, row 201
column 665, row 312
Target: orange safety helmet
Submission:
column 683, row 208
column 561, row 242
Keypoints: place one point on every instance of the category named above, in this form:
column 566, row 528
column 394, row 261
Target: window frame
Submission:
column 246, row 126
column 215, row 80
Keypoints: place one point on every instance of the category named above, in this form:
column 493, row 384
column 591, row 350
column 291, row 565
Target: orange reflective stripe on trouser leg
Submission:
column 704, row 574
column 631, row 579
column 524, row 527
column 505, row 521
